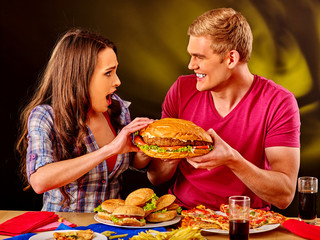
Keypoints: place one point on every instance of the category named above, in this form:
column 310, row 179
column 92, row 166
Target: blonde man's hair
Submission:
column 228, row 30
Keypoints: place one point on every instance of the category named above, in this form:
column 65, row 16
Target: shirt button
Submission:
column 103, row 181
column 33, row 156
column 100, row 201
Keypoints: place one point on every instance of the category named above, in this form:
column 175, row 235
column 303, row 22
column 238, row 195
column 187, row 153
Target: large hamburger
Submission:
column 166, row 209
column 144, row 198
column 128, row 216
column 173, row 138
column 107, row 207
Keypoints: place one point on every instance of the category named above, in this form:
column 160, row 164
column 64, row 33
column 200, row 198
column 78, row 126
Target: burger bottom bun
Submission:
column 130, row 222
column 174, row 155
column 162, row 217
column 104, row 215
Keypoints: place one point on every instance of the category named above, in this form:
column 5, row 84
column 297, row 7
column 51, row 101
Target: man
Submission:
column 253, row 121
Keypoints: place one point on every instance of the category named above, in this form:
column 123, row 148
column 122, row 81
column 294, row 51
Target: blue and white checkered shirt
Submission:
column 96, row 185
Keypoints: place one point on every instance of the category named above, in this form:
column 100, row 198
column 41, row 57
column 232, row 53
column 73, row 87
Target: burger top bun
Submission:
column 165, row 201
column 176, row 128
column 128, row 211
column 111, row 204
column 162, row 217
column 173, row 206
column 139, row 197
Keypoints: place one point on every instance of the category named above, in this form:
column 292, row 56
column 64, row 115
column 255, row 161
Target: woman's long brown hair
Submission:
column 64, row 86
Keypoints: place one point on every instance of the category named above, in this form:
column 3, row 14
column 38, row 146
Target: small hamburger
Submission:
column 173, row 138
column 128, row 216
column 166, row 209
column 144, row 198
column 107, row 207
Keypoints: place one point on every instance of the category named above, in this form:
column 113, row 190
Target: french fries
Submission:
column 191, row 233
column 110, row 236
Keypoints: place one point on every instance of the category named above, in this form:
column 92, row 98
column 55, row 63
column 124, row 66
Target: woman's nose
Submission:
column 117, row 81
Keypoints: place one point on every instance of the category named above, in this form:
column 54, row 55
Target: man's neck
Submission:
column 227, row 98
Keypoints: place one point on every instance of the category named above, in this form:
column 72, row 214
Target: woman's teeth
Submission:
column 199, row 75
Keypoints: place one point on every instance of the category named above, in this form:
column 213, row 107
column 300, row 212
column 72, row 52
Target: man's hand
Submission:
column 220, row 155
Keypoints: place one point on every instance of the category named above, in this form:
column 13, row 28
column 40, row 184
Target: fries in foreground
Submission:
column 192, row 233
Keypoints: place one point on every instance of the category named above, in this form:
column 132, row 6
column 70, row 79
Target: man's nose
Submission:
column 193, row 64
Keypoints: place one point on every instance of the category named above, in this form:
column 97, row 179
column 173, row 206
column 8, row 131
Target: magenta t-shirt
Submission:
column 267, row 116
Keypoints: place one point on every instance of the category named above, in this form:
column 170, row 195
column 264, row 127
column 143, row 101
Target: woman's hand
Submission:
column 123, row 141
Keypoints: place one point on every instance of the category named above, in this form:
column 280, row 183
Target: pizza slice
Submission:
column 259, row 217
column 72, row 235
column 204, row 218
column 198, row 211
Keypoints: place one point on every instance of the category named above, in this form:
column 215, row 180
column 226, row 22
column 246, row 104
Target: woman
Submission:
column 76, row 133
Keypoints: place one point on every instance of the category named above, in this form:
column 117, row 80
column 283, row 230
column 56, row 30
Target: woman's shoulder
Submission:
column 41, row 114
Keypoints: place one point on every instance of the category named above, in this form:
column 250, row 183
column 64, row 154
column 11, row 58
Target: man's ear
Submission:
column 233, row 58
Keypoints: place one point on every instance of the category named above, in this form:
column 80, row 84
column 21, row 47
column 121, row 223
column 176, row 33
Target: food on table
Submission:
column 180, row 233
column 144, row 198
column 72, row 235
column 259, row 217
column 140, row 205
column 107, row 207
column 115, row 236
column 205, row 218
column 166, row 209
column 173, row 138
column 128, row 216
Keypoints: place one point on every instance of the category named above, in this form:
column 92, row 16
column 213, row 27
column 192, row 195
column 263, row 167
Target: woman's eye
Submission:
column 108, row 73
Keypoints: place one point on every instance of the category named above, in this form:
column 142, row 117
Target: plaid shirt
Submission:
column 96, row 185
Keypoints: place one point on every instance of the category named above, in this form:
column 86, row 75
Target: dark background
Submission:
column 151, row 38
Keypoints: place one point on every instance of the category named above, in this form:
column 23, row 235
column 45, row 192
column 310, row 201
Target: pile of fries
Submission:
column 191, row 233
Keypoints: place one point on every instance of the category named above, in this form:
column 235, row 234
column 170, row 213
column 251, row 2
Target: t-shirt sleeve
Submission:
column 284, row 125
column 170, row 105
column 39, row 151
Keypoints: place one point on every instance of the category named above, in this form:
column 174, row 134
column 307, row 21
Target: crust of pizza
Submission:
column 72, row 235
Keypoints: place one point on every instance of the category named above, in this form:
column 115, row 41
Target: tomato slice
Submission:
column 202, row 147
column 139, row 140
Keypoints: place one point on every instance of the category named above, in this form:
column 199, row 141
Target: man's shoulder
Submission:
column 268, row 85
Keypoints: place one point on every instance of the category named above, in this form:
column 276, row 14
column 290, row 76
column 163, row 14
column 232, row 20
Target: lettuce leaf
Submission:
column 151, row 204
column 98, row 209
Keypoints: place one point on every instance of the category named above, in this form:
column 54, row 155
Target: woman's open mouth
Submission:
column 108, row 97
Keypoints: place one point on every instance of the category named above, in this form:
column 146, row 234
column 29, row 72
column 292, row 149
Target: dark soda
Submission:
column 307, row 205
column 239, row 229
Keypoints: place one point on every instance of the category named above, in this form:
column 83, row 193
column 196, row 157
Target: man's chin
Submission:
column 200, row 87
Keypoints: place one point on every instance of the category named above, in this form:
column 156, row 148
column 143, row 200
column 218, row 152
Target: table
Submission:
column 84, row 219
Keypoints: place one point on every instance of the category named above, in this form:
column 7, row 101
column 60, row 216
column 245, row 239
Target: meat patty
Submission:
column 170, row 142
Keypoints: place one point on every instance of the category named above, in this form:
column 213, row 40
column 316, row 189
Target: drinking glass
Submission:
column 307, row 195
column 239, row 211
